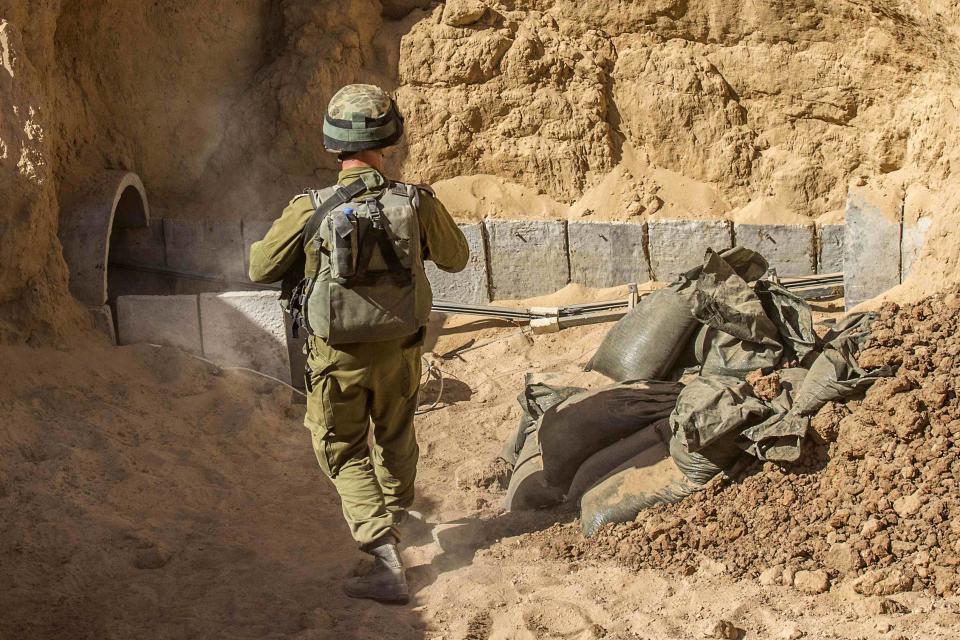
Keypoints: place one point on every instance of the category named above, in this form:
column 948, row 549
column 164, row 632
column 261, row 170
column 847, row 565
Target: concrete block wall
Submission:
column 526, row 257
column 173, row 321
column 245, row 329
column 142, row 246
column 607, row 254
column 872, row 244
column 676, row 246
column 515, row 259
column 471, row 285
column 508, row 258
column 830, row 247
column 236, row 328
column 788, row 248
column 209, row 248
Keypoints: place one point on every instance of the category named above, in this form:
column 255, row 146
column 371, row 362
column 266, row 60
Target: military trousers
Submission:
column 353, row 389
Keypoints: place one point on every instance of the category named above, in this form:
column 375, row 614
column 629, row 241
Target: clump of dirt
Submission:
column 766, row 387
column 874, row 497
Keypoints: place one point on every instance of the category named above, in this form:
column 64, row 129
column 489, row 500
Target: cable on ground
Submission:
column 247, row 369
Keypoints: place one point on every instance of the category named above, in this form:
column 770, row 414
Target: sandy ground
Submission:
column 145, row 494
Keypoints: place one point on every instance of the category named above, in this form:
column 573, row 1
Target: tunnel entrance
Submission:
column 114, row 203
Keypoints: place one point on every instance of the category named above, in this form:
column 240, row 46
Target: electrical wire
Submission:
column 430, row 370
column 247, row 369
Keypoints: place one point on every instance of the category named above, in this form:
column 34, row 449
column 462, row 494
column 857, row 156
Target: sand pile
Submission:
column 874, row 498
column 144, row 494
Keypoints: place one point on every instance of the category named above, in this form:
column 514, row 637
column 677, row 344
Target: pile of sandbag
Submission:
column 755, row 372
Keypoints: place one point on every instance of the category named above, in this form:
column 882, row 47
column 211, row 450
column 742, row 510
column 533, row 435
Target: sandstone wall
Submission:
column 617, row 109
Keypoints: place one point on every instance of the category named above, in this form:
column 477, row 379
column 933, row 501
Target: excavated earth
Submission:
column 147, row 494
column 873, row 501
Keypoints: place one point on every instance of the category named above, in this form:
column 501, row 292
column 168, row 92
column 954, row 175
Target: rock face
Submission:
column 657, row 102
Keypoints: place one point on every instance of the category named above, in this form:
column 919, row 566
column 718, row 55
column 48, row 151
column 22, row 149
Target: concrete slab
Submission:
column 142, row 246
column 676, row 246
column 527, row 257
column 168, row 320
column 914, row 237
column 830, row 244
column 788, row 248
column 607, row 254
column 252, row 231
column 245, row 329
column 871, row 244
column 103, row 322
column 471, row 285
column 114, row 200
column 189, row 286
column 210, row 248
column 131, row 282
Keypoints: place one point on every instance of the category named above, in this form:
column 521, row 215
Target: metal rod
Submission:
column 187, row 275
column 819, row 285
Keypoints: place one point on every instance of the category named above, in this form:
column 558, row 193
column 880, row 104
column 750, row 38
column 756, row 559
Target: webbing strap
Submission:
column 378, row 236
column 342, row 195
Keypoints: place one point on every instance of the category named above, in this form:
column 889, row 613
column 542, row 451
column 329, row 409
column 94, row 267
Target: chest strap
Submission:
column 342, row 195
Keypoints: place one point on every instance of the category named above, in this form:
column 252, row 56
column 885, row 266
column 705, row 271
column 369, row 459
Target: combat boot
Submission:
column 385, row 582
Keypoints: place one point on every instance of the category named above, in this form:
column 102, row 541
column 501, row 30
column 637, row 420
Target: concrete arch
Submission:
column 114, row 198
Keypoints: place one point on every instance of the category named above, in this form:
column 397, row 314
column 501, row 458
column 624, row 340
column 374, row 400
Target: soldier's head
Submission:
column 361, row 120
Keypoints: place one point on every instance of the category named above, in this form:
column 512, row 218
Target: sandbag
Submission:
column 746, row 263
column 540, row 392
column 608, row 460
column 741, row 338
column 793, row 318
column 650, row 478
column 702, row 466
column 723, row 354
column 711, row 407
column 780, row 435
column 835, row 375
column 578, row 427
column 645, row 343
column 528, row 488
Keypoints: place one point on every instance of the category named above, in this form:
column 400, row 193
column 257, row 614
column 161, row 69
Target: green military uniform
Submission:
column 351, row 385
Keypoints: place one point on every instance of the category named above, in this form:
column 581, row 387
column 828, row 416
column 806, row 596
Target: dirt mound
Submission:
column 873, row 499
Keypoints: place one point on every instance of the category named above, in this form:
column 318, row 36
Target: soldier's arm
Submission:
column 278, row 252
column 443, row 241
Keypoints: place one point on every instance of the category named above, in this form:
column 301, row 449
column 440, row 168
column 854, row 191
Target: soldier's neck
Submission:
column 363, row 160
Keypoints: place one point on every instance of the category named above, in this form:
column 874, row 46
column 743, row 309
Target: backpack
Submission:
column 364, row 279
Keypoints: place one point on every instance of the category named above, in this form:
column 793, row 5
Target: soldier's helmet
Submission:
column 361, row 116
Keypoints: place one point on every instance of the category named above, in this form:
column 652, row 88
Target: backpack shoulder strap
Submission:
column 410, row 191
column 341, row 195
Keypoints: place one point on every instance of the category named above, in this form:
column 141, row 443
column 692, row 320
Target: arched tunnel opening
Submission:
column 108, row 222
column 129, row 245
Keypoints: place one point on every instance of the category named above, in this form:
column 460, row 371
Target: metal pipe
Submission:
column 819, row 286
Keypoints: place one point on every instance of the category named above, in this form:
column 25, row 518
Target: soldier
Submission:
column 358, row 249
